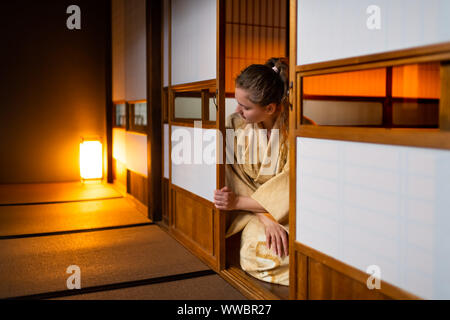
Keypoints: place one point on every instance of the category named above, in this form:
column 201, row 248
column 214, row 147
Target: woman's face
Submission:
column 249, row 111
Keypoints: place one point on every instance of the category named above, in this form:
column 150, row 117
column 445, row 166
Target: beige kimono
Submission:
column 265, row 178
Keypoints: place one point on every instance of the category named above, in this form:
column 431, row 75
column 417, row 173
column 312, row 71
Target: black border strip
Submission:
column 57, row 233
column 57, row 202
column 115, row 286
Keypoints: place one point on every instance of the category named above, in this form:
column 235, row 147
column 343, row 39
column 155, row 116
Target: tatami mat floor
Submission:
column 38, row 242
column 69, row 216
column 209, row 287
column 13, row 194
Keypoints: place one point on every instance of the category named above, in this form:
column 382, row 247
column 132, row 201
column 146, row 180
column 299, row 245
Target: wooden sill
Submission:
column 249, row 286
column 252, row 288
column 122, row 189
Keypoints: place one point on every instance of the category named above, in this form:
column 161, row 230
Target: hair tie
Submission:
column 275, row 69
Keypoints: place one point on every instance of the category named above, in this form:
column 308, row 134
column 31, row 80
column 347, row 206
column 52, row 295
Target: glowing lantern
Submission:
column 91, row 159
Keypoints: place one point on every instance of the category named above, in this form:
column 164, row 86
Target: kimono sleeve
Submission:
column 273, row 195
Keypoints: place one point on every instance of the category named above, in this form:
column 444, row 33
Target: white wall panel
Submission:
column 193, row 40
column 118, row 49
column 230, row 107
column 166, row 151
column 119, row 145
column 372, row 204
column 329, row 29
column 130, row 148
column 166, row 43
column 136, row 152
column 192, row 170
column 135, row 50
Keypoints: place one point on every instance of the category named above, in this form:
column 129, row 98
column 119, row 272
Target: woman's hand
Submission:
column 276, row 236
column 225, row 199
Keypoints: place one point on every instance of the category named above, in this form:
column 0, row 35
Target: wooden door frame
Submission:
column 109, row 95
column 428, row 138
column 203, row 87
column 154, row 85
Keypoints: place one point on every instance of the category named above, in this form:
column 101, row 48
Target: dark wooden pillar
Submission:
column 109, row 95
column 154, row 88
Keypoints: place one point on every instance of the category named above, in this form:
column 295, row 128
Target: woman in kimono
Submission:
column 257, row 171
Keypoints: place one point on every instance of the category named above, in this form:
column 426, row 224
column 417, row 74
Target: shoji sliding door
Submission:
column 371, row 176
column 165, row 131
column 129, row 136
column 193, row 93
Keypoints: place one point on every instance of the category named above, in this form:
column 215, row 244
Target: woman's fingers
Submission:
column 277, row 241
column 221, row 195
column 272, row 242
column 222, row 200
column 279, row 245
column 221, row 207
column 276, row 237
column 283, row 243
column 223, row 203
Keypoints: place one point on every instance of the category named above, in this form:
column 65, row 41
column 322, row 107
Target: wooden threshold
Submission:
column 55, row 192
column 122, row 189
column 252, row 288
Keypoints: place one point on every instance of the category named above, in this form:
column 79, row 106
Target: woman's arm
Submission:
column 276, row 237
column 225, row 199
column 248, row 204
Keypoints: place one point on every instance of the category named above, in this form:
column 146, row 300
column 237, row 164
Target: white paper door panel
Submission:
column 166, row 43
column 193, row 40
column 131, row 149
column 230, row 107
column 119, row 145
column 330, row 29
column 371, row 204
column 135, row 50
column 118, row 49
column 193, row 160
column 166, row 151
column 136, row 147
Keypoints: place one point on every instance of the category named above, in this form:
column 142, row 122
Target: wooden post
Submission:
column 154, row 86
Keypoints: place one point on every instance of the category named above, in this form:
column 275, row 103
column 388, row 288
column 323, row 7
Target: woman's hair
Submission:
column 268, row 83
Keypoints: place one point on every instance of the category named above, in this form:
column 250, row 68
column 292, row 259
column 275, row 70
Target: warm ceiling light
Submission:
column 91, row 159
